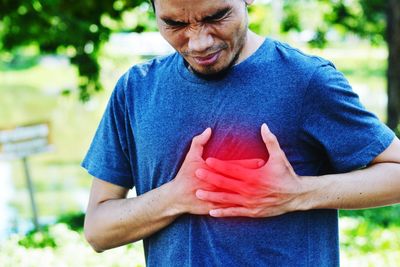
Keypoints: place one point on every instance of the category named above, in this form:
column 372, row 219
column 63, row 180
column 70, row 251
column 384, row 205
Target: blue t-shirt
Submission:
column 159, row 106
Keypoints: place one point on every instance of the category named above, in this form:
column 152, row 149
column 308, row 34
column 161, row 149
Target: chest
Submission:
column 167, row 117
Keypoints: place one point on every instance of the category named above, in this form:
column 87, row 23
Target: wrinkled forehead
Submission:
column 188, row 10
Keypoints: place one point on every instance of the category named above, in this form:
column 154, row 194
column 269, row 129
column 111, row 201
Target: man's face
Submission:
column 209, row 34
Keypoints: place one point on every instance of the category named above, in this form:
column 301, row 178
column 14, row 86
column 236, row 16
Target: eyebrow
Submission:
column 218, row 14
column 172, row 22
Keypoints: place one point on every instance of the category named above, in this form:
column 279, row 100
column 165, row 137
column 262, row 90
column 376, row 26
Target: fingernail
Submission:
column 260, row 163
column 199, row 194
column 265, row 127
column 200, row 173
column 214, row 213
column 206, row 130
column 209, row 161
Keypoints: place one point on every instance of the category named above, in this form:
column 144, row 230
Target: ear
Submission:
column 249, row 2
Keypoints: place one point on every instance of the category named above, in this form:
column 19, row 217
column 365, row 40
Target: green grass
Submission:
column 361, row 245
column 366, row 244
column 71, row 250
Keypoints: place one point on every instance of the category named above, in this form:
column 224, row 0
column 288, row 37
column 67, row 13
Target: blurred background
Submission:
column 59, row 62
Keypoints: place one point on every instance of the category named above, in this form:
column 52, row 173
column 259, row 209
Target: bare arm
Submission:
column 112, row 220
column 376, row 185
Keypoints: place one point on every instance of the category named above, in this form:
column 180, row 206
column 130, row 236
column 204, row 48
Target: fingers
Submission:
column 246, row 212
column 198, row 142
column 230, row 169
column 233, row 212
column 221, row 182
column 270, row 140
column 248, row 163
column 207, row 186
column 220, row 197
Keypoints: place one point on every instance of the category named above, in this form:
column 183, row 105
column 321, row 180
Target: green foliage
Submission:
column 291, row 19
column 261, row 19
column 38, row 239
column 71, row 250
column 74, row 220
column 366, row 18
column 18, row 61
column 363, row 243
column 46, row 236
column 397, row 131
column 319, row 39
column 373, row 20
column 76, row 29
column 382, row 217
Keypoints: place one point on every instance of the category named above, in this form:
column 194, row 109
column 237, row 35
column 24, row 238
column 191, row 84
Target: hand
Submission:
column 269, row 190
column 185, row 183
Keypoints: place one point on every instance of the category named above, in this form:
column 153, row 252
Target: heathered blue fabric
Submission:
column 156, row 109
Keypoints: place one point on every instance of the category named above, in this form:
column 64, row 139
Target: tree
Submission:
column 76, row 29
column 393, row 39
column 376, row 20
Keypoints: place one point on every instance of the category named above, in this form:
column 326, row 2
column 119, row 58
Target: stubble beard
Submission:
column 211, row 71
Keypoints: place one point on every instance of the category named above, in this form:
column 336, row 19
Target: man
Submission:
column 280, row 142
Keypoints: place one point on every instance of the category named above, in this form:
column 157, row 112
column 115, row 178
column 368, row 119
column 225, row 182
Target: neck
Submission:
column 252, row 43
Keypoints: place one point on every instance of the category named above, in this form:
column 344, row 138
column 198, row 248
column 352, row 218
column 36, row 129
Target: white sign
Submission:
column 24, row 141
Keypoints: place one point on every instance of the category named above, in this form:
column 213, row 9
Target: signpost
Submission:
column 22, row 142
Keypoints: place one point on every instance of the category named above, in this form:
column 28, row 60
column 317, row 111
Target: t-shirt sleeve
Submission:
column 336, row 122
column 108, row 155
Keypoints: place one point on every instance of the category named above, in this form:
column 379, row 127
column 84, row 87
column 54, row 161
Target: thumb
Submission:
column 270, row 141
column 198, row 143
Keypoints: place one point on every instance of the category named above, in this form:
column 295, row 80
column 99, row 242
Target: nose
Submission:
column 200, row 40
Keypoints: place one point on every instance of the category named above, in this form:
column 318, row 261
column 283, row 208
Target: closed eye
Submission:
column 174, row 23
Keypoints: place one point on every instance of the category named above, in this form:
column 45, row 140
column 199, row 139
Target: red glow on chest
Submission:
column 236, row 146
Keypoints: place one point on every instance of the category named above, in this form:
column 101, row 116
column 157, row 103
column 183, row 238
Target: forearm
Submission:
column 117, row 222
column 377, row 185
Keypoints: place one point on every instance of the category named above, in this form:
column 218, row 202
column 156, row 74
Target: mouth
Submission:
column 207, row 60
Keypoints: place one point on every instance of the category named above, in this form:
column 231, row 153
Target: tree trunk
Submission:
column 393, row 74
